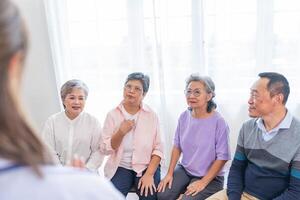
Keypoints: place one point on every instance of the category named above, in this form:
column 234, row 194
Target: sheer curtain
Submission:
column 102, row 41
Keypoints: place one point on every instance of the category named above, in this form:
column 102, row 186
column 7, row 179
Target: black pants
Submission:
column 182, row 179
column 124, row 179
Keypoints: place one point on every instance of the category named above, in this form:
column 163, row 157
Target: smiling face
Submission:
column 133, row 93
column 197, row 96
column 74, row 102
column 261, row 102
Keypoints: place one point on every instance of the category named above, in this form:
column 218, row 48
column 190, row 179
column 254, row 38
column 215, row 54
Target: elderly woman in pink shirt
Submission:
column 131, row 137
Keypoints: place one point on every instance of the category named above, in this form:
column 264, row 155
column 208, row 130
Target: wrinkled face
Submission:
column 133, row 93
column 196, row 95
column 74, row 102
column 260, row 102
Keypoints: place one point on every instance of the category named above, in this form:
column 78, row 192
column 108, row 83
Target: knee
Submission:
column 189, row 197
column 163, row 196
column 221, row 195
column 149, row 197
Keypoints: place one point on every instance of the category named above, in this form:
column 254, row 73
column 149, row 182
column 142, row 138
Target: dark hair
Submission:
column 18, row 141
column 209, row 87
column 278, row 84
column 68, row 86
column 144, row 79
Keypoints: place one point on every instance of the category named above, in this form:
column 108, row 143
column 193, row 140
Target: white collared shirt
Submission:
column 284, row 124
column 80, row 136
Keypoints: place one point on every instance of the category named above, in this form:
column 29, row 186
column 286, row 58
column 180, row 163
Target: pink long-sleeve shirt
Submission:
column 146, row 140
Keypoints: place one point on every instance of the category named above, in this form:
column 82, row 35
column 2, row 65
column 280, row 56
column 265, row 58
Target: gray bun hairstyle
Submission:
column 209, row 87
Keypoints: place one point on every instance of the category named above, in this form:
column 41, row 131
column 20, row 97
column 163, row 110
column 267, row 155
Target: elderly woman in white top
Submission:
column 72, row 132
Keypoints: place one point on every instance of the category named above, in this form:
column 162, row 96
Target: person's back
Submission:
column 26, row 170
column 63, row 183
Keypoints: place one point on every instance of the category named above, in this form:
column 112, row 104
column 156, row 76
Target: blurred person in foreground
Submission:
column 26, row 172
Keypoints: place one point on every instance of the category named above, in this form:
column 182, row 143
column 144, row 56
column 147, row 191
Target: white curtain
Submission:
column 101, row 42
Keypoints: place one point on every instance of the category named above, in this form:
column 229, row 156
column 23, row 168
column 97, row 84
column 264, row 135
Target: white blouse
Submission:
column 80, row 136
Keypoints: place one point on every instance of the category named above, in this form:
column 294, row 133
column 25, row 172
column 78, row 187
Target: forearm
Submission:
column 154, row 162
column 174, row 159
column 293, row 191
column 235, row 184
column 213, row 171
column 117, row 139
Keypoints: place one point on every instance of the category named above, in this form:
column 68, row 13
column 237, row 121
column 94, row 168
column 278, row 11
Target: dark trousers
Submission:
column 181, row 179
column 125, row 179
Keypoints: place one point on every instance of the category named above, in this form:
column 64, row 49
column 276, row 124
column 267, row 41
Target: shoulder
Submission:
column 114, row 116
column 147, row 108
column 89, row 117
column 57, row 182
column 295, row 123
column 147, row 111
column 51, row 173
column 77, row 180
column 220, row 123
column 219, row 118
column 249, row 126
column 184, row 115
column 251, row 123
column 294, row 130
column 114, row 112
column 55, row 117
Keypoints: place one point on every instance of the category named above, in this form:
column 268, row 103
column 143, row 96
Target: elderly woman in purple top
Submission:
column 202, row 139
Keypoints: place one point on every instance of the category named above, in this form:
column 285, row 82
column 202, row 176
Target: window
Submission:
column 102, row 41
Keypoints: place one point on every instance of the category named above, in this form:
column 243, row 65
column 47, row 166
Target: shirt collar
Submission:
column 284, row 124
column 144, row 107
column 72, row 121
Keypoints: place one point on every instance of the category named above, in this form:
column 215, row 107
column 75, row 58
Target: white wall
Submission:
column 39, row 90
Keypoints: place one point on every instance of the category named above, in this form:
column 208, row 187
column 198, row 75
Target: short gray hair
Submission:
column 68, row 86
column 209, row 87
column 144, row 79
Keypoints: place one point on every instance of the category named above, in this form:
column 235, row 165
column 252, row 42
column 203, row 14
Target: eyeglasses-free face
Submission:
column 74, row 102
column 260, row 102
